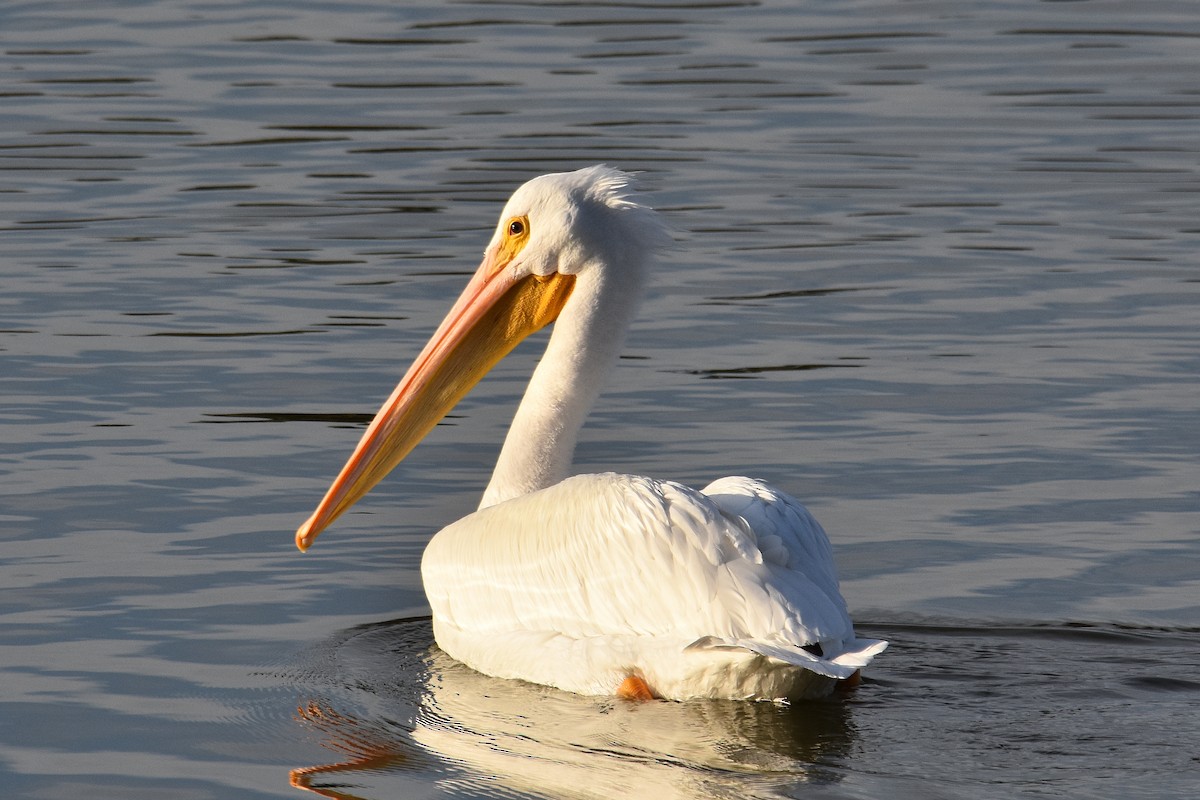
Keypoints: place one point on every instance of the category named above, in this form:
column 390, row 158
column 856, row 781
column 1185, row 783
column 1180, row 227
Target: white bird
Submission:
column 599, row 584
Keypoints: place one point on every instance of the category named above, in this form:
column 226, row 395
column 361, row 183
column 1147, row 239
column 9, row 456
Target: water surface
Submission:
column 935, row 274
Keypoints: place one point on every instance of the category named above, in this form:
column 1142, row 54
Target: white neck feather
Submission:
column 582, row 350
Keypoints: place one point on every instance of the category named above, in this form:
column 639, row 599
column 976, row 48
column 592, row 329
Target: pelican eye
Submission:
column 513, row 240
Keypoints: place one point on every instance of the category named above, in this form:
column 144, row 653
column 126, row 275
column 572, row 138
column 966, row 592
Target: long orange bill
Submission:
column 494, row 313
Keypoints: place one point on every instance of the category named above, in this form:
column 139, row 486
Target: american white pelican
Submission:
column 599, row 584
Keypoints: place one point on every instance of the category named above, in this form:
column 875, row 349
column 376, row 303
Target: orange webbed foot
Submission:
column 635, row 687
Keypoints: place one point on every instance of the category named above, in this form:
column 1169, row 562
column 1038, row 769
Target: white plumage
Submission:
column 586, row 582
column 601, row 576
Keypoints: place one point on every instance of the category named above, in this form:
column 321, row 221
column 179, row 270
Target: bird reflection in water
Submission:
column 401, row 713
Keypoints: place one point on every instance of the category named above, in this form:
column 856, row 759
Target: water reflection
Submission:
column 397, row 710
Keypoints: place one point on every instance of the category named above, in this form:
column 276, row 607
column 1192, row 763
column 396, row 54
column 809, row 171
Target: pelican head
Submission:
column 565, row 244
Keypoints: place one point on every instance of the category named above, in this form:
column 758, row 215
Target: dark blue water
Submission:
column 935, row 274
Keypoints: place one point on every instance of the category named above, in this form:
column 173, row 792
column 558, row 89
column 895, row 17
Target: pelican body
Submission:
column 599, row 584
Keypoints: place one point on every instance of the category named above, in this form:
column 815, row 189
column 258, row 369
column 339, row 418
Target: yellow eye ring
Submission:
column 513, row 239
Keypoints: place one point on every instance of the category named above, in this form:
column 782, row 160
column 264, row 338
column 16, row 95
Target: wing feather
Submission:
column 615, row 554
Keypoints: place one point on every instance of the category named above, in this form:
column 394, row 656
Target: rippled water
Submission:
column 936, row 275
